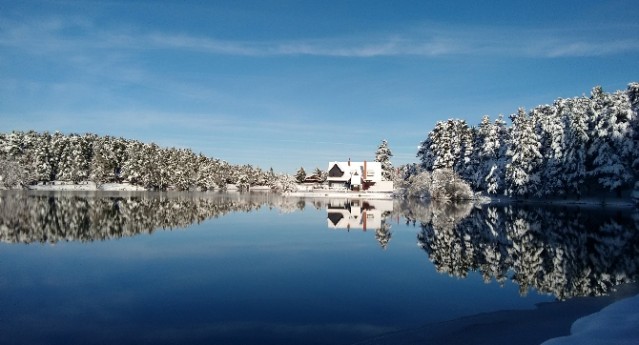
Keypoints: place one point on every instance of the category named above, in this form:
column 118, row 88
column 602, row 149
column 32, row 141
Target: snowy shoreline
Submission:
column 126, row 187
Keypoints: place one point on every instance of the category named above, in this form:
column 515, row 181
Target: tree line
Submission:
column 576, row 146
column 28, row 158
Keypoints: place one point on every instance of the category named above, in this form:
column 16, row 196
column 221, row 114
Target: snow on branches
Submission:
column 574, row 146
column 29, row 158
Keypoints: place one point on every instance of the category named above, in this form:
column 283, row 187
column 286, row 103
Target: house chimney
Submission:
column 349, row 161
column 364, row 170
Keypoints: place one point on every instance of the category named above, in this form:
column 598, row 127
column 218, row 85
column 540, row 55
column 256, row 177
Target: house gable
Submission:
column 335, row 171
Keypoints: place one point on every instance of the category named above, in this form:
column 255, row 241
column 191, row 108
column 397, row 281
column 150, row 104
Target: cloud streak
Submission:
column 431, row 46
column 431, row 42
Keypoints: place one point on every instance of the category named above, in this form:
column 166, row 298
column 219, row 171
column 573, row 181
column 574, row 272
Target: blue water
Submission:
column 260, row 277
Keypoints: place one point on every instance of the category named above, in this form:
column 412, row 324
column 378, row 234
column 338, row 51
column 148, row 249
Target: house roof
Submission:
column 344, row 170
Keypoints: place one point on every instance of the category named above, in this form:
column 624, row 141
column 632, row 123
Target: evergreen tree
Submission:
column 383, row 155
column 300, row 175
column 448, row 146
column 481, row 154
column 75, row 158
column 43, row 159
column 549, row 128
column 611, row 141
column 445, row 145
column 494, row 153
column 109, row 155
column 466, row 161
column 524, row 158
column 633, row 98
column 425, row 152
column 574, row 164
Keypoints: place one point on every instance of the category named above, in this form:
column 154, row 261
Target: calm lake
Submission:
column 257, row 268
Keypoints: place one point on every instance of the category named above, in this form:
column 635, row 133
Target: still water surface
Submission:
column 132, row 268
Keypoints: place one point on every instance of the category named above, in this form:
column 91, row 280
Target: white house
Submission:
column 357, row 176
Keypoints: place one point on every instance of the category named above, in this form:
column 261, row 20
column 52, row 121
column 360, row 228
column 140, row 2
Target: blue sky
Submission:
column 285, row 84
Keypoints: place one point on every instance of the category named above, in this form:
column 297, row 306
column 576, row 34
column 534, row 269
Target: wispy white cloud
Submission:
column 431, row 41
column 454, row 43
column 585, row 48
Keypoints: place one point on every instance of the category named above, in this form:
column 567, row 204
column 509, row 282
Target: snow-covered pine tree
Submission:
column 611, row 144
column 184, row 170
column 108, row 158
column 141, row 167
column 466, row 161
column 43, row 158
column 633, row 98
column 4, row 146
column 425, row 153
column 383, row 155
column 58, row 144
column 442, row 146
column 524, row 158
column 243, row 182
column 496, row 148
column 27, row 156
column 480, row 154
column 168, row 172
column 14, row 145
column 75, row 157
column 204, row 179
column 574, row 113
column 448, row 147
column 550, row 130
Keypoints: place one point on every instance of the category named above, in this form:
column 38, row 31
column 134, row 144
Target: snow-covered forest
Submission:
column 28, row 158
column 573, row 147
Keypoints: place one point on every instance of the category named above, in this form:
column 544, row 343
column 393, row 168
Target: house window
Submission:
column 370, row 173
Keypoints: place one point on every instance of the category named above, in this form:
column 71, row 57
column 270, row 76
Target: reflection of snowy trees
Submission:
column 383, row 234
column 567, row 252
column 563, row 251
column 29, row 218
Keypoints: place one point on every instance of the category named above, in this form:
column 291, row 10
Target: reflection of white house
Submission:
column 357, row 214
column 357, row 176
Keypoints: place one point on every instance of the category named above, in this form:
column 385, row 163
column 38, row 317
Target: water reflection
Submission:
column 361, row 214
column 86, row 217
column 563, row 251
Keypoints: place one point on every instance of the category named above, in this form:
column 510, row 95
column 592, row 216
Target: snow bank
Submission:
column 616, row 324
